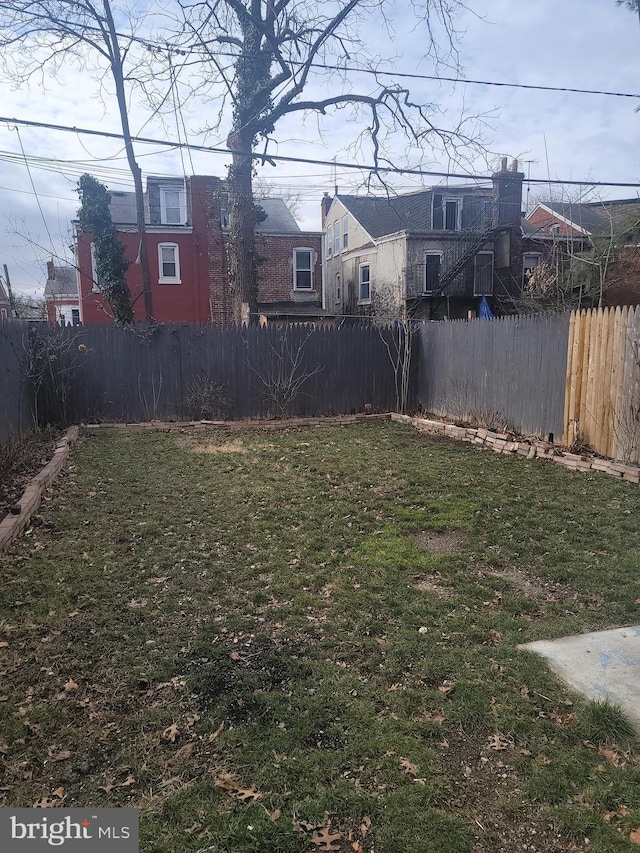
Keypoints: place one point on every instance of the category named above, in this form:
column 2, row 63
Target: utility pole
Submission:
column 12, row 304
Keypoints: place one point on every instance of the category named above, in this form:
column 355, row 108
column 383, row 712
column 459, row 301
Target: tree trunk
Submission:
column 118, row 76
column 243, row 265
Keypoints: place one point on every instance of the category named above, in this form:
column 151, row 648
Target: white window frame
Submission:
column 164, row 279
column 475, row 268
column 163, row 204
column 329, row 240
column 367, row 299
column 337, row 240
column 296, row 286
column 345, row 233
column 430, row 254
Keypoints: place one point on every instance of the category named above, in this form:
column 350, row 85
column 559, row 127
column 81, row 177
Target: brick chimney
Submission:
column 507, row 195
column 325, row 204
column 51, row 274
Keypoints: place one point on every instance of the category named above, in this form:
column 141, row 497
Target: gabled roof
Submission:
column 596, row 216
column 63, row 286
column 410, row 212
column 279, row 218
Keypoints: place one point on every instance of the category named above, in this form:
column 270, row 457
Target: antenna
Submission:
column 335, row 177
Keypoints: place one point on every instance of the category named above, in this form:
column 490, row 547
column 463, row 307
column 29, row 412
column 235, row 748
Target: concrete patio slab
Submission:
column 602, row 665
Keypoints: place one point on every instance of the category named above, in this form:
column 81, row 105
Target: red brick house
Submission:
column 605, row 231
column 187, row 236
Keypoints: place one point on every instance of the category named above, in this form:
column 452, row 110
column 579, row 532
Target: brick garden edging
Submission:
column 13, row 525
column 500, row 442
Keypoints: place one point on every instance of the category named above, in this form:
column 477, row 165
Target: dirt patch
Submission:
column 441, row 541
column 433, row 584
column 231, row 446
column 532, row 586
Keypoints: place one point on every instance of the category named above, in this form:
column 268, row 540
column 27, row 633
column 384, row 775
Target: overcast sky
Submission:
column 586, row 44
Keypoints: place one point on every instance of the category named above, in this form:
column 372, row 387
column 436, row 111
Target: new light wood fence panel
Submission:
column 602, row 399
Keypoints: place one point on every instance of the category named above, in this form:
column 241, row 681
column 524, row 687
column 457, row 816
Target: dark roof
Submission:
column 596, row 216
column 279, row 218
column 410, row 212
column 123, row 208
column 63, row 285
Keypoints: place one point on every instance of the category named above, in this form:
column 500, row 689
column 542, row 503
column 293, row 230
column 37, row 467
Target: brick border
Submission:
column 500, row 442
column 255, row 423
column 13, row 525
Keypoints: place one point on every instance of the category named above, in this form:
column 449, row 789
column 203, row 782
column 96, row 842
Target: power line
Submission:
column 187, row 50
column 273, row 158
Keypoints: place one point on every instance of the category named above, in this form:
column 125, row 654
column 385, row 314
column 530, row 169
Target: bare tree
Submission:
column 278, row 49
column 39, row 34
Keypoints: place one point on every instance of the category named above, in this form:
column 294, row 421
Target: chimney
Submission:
column 50, row 271
column 325, row 204
column 507, row 195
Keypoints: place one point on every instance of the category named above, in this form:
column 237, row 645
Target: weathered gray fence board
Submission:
column 144, row 373
column 514, row 366
column 16, row 418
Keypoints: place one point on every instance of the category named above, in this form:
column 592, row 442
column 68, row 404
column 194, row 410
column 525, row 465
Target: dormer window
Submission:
column 172, row 205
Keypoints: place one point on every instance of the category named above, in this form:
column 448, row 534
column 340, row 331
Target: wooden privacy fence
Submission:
column 16, row 391
column 500, row 373
column 169, row 371
column 602, row 393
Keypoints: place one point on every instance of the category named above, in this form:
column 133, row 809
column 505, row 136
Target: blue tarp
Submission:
column 484, row 311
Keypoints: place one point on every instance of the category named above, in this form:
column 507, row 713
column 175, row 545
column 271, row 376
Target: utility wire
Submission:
column 272, row 158
column 33, row 187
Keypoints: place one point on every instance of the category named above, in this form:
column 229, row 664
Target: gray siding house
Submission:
column 436, row 252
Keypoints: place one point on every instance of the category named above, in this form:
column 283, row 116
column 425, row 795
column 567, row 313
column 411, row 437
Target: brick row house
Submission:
column 61, row 295
column 437, row 252
column 592, row 245
column 187, row 235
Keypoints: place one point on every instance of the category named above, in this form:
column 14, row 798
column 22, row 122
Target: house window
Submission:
column 364, row 283
column 168, row 263
column 338, row 287
column 3, row 312
column 62, row 318
column 432, row 261
column 483, row 274
column 329, row 240
column 436, row 213
column 451, row 216
column 96, row 280
column 303, row 269
column 75, row 316
column 345, row 232
column 172, row 206
column 336, row 238
column 530, row 261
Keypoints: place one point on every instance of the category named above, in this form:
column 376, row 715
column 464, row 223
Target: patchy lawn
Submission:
column 307, row 641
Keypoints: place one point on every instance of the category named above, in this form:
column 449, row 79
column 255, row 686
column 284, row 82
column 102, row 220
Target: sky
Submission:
column 585, row 44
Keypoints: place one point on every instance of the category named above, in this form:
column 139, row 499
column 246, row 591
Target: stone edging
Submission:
column 13, row 525
column 500, row 442
column 256, row 423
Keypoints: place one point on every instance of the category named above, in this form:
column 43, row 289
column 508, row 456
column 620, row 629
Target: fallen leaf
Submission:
column 635, row 836
column 215, row 734
column 623, row 811
column 409, row 767
column 73, row 613
column 326, row 840
column 235, row 655
column 498, row 742
column 59, row 793
column 394, row 687
column 275, row 815
column 171, row 733
column 45, row 803
column 70, row 685
column 357, row 847
column 446, row 688
column 611, row 756
column 63, row 755
column 4, row 749
column 3, row 645
column 185, row 751
column 365, row 826
column 157, row 581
